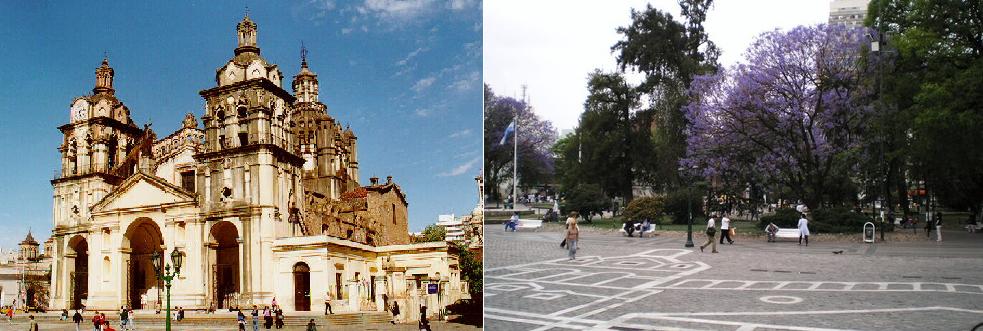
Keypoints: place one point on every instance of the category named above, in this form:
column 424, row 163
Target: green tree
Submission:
column 432, row 233
column 669, row 53
column 931, row 122
column 586, row 199
column 603, row 139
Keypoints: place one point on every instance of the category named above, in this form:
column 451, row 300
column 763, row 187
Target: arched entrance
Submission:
column 79, row 274
column 143, row 238
column 224, row 256
column 302, row 287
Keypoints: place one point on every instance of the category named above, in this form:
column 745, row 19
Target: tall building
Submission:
column 262, row 199
column 850, row 12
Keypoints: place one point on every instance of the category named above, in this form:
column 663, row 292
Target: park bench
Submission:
column 786, row 233
column 638, row 227
column 535, row 225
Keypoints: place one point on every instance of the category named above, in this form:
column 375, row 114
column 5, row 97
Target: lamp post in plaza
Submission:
column 166, row 275
column 689, row 210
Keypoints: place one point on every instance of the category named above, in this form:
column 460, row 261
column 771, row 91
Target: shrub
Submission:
column 826, row 220
column 675, row 205
column 783, row 218
column 645, row 207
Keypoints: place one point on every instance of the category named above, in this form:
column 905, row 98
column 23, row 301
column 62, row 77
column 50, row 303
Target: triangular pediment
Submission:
column 142, row 191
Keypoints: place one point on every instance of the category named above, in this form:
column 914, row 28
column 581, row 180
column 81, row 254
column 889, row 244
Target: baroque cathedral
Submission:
column 261, row 198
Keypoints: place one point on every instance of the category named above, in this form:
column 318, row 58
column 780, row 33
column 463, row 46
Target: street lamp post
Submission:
column 177, row 258
column 689, row 211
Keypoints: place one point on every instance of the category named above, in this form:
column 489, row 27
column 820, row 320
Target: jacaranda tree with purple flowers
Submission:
column 789, row 115
column 536, row 138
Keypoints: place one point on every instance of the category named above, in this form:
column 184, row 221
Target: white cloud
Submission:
column 410, row 56
column 346, row 30
column 461, row 4
column 423, row 112
column 423, row 84
column 461, row 169
column 396, row 9
column 467, row 82
column 462, row 133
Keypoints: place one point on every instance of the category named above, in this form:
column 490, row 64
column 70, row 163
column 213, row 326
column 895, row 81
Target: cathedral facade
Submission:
column 262, row 198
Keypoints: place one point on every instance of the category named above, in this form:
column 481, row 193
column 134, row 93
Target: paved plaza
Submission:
column 621, row 283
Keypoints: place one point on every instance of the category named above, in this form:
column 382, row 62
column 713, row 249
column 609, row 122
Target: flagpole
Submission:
column 515, row 161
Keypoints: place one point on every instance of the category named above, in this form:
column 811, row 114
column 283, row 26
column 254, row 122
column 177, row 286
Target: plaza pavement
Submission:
column 621, row 283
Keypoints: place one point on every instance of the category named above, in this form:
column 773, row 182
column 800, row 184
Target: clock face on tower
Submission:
column 80, row 110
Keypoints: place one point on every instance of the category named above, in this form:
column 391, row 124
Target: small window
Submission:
column 243, row 139
column 188, row 181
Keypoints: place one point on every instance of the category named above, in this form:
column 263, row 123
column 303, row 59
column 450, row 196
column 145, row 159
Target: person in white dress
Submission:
column 803, row 229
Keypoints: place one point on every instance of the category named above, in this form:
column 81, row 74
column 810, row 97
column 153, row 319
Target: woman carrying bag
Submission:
column 572, row 235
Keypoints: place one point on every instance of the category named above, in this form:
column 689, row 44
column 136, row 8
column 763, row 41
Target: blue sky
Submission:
column 404, row 74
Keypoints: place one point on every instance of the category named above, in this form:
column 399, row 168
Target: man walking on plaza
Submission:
column 77, row 319
column 573, row 233
column 938, row 226
column 255, row 315
column 725, row 230
column 710, row 231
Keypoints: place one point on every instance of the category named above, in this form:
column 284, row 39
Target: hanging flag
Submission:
column 508, row 130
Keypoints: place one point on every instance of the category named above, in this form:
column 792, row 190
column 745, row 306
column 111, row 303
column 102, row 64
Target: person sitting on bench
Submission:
column 771, row 229
column 646, row 225
column 629, row 228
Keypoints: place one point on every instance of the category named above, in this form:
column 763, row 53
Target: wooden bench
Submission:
column 787, row 233
column 535, row 225
column 638, row 230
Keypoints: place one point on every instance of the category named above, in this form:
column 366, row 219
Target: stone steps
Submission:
column 300, row 319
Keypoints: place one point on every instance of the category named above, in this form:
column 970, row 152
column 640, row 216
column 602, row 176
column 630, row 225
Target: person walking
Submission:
column 77, row 319
column 34, row 324
column 278, row 317
column 424, row 323
column 573, row 234
column 255, row 316
column 938, row 226
column 123, row 318
column 241, row 321
column 267, row 318
column 96, row 322
column 710, row 231
column 725, row 230
column 311, row 326
column 395, row 311
column 803, row 229
column 131, row 319
column 327, row 304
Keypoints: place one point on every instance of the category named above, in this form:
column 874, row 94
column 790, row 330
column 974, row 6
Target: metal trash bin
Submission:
column 869, row 232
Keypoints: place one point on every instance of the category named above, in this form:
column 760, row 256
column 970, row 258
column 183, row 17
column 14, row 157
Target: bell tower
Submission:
column 330, row 162
column 96, row 141
column 247, row 36
column 104, row 79
column 249, row 173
